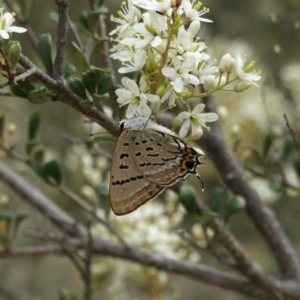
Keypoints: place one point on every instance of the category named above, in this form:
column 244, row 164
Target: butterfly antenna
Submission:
column 202, row 183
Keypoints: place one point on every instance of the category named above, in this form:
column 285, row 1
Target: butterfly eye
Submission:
column 121, row 125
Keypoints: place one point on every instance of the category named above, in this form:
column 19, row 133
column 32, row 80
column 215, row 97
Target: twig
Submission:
column 6, row 94
column 88, row 208
column 292, row 134
column 88, row 261
column 264, row 176
column 223, row 258
column 62, row 34
column 31, row 251
column 10, row 74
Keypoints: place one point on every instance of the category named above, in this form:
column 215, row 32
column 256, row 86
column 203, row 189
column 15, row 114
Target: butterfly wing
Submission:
column 129, row 188
column 163, row 158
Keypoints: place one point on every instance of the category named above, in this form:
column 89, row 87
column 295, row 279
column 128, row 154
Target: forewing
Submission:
column 129, row 188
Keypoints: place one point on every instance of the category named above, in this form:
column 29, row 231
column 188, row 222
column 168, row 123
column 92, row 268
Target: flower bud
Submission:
column 223, row 62
column 227, row 64
column 242, row 86
column 194, row 28
column 209, row 83
column 220, row 81
column 161, row 89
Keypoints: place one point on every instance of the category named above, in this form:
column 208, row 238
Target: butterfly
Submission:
column 146, row 160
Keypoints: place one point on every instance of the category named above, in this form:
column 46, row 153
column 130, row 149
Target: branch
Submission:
column 66, row 96
column 62, row 34
column 235, row 179
column 64, row 221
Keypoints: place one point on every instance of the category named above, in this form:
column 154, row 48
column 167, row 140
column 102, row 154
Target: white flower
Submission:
column 153, row 5
column 136, row 97
column 193, row 14
column 150, row 31
column 136, row 65
column 180, row 73
column 5, row 25
column 250, row 77
column 196, row 119
column 127, row 18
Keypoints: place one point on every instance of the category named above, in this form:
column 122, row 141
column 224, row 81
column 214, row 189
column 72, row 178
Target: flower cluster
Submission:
column 159, row 39
column 6, row 21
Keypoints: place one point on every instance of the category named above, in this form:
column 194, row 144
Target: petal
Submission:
column 198, row 108
column 209, row 117
column 183, row 115
column 152, row 98
column 130, row 111
column 16, row 29
column 178, row 85
column 144, row 110
column 125, row 70
column 133, row 87
column 4, row 34
column 156, row 42
column 169, row 72
column 184, row 129
column 192, row 79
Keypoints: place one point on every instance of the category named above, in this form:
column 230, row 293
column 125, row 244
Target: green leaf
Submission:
column 267, row 143
column 292, row 192
column 78, row 87
column 17, row 222
column 17, row 91
column 98, row 46
column 98, row 71
column 39, row 95
column 80, row 58
column 5, row 222
column 39, row 170
column 235, row 205
column 93, row 17
column 102, row 190
column 25, row 7
column 5, row 226
column 30, row 146
column 34, row 124
column 206, row 217
column 83, row 19
column 2, row 124
column 85, row 103
column 39, row 154
column 187, row 197
column 106, row 138
column 45, row 50
column 54, row 16
column 287, row 148
column 69, row 70
column 296, row 166
column 217, row 198
column 26, row 85
column 13, row 51
column 275, row 187
column 53, row 172
column 105, row 84
column 89, row 80
column 257, row 157
column 100, row 10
